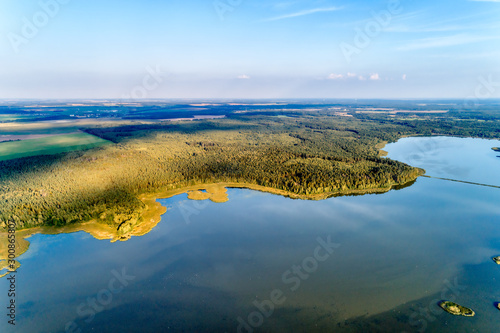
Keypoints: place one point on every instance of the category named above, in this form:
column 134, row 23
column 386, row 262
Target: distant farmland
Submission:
column 49, row 145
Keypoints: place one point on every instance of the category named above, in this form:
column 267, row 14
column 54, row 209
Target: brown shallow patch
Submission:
column 21, row 245
column 198, row 195
column 4, row 264
column 219, row 198
column 380, row 146
column 216, row 193
column 151, row 216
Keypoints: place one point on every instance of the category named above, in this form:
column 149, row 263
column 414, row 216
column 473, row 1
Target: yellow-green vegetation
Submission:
column 198, row 195
column 5, row 267
column 49, row 145
column 100, row 231
column 496, row 148
column 496, row 260
column 215, row 193
column 380, row 146
column 305, row 157
column 456, row 309
column 21, row 246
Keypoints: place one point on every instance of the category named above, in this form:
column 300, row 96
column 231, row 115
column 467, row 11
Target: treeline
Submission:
column 463, row 124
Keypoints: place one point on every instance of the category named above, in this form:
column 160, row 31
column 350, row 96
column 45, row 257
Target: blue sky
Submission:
column 249, row 49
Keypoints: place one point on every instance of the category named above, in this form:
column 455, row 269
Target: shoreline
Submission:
column 151, row 215
column 150, row 199
column 153, row 211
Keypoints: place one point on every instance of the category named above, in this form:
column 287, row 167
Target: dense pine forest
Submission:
column 300, row 152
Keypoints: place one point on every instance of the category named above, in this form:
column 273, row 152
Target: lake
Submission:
column 266, row 263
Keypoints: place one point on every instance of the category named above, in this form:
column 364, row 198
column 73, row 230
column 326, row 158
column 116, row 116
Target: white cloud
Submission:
column 243, row 77
column 349, row 75
column 404, row 77
column 334, row 76
column 302, row 13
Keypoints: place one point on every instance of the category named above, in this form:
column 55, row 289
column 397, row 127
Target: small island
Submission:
column 456, row 309
column 215, row 193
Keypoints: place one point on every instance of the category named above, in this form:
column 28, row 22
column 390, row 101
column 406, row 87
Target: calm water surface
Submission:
column 219, row 267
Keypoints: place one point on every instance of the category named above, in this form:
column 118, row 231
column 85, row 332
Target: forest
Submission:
column 299, row 152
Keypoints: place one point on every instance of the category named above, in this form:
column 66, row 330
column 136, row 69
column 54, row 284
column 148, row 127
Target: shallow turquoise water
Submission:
column 255, row 262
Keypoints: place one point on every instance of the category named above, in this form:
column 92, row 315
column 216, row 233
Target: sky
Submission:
column 52, row 49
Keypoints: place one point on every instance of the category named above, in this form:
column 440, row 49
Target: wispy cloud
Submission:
column 486, row 0
column 413, row 29
column 411, row 16
column 302, row 13
column 284, row 4
column 434, row 42
column 243, row 77
column 467, row 56
column 412, row 23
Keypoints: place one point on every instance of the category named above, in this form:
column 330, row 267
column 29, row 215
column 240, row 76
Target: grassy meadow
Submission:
column 49, row 145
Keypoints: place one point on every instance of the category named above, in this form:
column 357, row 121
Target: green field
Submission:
column 49, row 145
